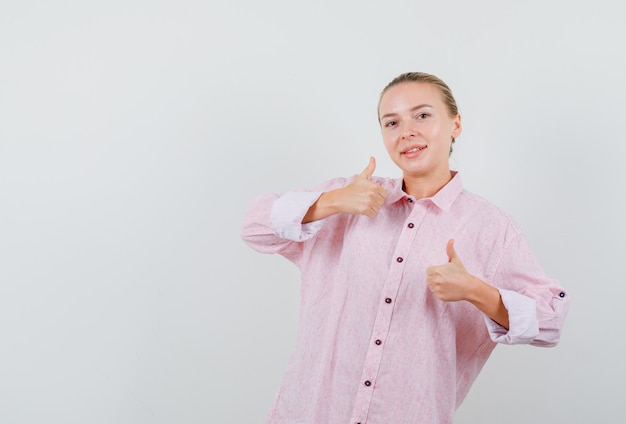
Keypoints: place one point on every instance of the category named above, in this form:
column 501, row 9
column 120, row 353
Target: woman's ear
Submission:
column 457, row 127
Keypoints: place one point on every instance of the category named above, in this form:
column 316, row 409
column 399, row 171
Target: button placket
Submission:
column 384, row 315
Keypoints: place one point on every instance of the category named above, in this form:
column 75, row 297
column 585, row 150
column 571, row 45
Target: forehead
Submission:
column 408, row 95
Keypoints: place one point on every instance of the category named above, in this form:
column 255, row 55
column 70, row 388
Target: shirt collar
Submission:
column 442, row 199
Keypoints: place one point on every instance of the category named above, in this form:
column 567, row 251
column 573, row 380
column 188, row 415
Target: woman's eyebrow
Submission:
column 413, row 109
column 420, row 106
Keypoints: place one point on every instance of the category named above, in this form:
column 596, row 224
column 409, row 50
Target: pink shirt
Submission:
column 374, row 345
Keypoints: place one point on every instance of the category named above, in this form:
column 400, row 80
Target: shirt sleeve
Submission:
column 287, row 214
column 273, row 222
column 522, row 320
column 537, row 305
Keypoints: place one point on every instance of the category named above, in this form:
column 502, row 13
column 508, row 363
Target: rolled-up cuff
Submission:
column 288, row 212
column 523, row 323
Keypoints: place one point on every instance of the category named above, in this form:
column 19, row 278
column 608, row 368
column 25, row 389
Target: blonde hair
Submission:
column 425, row 78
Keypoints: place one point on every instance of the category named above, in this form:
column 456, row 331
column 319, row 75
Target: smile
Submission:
column 413, row 150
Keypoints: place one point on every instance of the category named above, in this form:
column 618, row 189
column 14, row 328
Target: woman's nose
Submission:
column 408, row 131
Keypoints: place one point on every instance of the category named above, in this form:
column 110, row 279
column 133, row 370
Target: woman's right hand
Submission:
column 360, row 197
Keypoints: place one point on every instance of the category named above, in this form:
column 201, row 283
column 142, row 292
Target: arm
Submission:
column 488, row 300
column 527, row 308
column 281, row 223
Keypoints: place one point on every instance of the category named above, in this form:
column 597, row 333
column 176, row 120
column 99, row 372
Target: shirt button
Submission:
column 378, row 342
column 562, row 294
column 410, row 225
column 368, row 383
column 399, row 259
column 388, row 300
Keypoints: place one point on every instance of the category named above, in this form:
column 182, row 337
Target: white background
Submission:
column 133, row 135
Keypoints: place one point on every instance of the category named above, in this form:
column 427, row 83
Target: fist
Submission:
column 450, row 282
column 363, row 196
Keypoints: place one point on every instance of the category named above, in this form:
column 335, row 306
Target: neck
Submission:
column 425, row 186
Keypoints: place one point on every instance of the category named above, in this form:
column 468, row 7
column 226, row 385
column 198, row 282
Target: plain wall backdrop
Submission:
column 133, row 135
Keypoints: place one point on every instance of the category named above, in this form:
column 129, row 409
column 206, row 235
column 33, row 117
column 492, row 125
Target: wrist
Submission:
column 487, row 299
column 478, row 290
column 329, row 202
column 324, row 206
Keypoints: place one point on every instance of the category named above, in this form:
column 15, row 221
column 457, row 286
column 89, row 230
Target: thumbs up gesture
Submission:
column 362, row 196
column 450, row 282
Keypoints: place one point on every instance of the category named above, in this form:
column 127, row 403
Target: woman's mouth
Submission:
column 413, row 150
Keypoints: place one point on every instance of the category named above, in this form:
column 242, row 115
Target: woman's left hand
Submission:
column 450, row 282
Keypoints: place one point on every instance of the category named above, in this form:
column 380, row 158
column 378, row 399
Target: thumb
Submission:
column 452, row 256
column 367, row 172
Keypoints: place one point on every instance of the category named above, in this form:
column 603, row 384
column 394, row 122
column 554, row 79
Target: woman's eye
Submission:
column 422, row 115
column 390, row 124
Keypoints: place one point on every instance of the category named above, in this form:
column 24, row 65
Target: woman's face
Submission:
column 417, row 129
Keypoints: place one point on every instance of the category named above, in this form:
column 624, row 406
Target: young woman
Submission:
column 407, row 283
